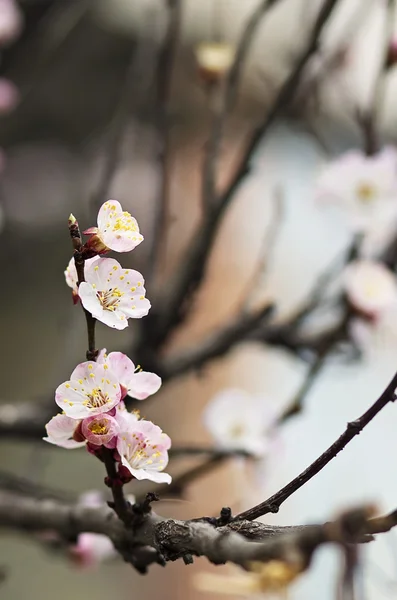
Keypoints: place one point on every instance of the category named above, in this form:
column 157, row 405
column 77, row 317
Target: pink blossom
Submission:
column 92, row 390
column 133, row 381
column 61, row 430
column 71, row 275
column 9, row 95
column 113, row 294
column 370, row 286
column 143, row 451
column 117, row 229
column 237, row 420
column 11, row 21
column 92, row 548
column 365, row 186
column 100, row 430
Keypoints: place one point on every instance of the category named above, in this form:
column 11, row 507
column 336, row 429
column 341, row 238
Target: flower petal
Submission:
column 143, row 384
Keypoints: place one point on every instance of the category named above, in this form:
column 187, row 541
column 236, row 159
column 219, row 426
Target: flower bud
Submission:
column 214, row 60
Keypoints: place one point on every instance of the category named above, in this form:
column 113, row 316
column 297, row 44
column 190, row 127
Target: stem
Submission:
column 121, row 506
column 353, row 428
column 79, row 261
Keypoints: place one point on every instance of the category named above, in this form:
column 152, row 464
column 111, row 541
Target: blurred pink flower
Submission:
column 370, row 287
column 9, row 95
column 11, row 21
column 113, row 294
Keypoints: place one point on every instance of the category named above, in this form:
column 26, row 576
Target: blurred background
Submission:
column 86, row 72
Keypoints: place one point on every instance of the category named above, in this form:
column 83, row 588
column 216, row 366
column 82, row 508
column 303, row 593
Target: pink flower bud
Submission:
column 100, row 429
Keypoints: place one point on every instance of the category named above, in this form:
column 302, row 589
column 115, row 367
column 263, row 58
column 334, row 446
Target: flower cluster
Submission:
column 92, row 400
column 94, row 415
column 110, row 293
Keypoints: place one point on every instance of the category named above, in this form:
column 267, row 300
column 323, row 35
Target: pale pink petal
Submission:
column 117, row 229
column 122, row 367
column 93, row 391
column 143, row 384
column 60, row 431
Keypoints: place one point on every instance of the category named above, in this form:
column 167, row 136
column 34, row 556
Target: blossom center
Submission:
column 236, row 431
column 110, row 298
column 99, row 428
column 366, row 192
column 96, row 398
column 124, row 223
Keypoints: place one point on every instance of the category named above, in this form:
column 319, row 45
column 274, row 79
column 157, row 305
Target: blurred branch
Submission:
column 152, row 539
column 346, row 585
column 165, row 70
column 116, row 134
column 13, row 483
column 353, row 428
column 224, row 108
column 191, row 271
column 215, row 345
column 267, row 247
column 368, row 120
column 182, row 451
column 25, row 420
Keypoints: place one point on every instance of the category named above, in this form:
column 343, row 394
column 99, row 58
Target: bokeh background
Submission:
column 70, row 64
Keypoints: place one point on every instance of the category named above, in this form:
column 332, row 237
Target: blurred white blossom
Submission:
column 370, row 287
column 237, row 420
column 365, row 187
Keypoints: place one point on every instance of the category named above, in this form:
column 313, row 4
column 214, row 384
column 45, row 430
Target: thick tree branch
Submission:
column 353, row 428
column 154, row 539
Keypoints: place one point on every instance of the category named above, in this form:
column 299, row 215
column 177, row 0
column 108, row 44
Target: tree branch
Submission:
column 353, row 428
column 154, row 539
column 215, row 345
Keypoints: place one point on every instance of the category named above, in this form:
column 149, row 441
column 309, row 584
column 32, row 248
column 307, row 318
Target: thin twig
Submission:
column 311, row 377
column 165, row 69
column 191, row 271
column 116, row 135
column 267, row 248
column 225, row 105
column 188, row 450
column 215, row 345
column 353, row 428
